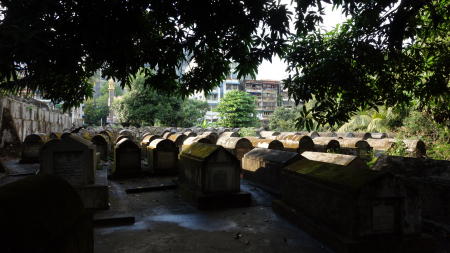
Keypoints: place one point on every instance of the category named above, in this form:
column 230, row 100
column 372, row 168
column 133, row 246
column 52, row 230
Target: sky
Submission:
column 277, row 69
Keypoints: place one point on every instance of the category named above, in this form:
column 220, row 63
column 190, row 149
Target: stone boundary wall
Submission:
column 19, row 119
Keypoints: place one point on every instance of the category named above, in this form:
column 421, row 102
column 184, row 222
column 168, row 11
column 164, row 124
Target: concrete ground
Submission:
column 166, row 223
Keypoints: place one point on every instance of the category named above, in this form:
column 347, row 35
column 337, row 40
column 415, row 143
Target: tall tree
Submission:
column 54, row 46
column 145, row 106
column 389, row 52
column 237, row 109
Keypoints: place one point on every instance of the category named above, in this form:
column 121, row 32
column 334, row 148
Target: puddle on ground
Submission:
column 196, row 221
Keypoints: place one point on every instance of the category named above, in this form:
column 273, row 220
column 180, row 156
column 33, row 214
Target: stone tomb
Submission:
column 355, row 146
column 31, row 147
column 212, row 136
column 146, row 140
column 339, row 159
column 265, row 143
column 191, row 140
column 178, row 140
column 127, row 159
column 229, row 134
column 238, row 146
column 74, row 159
column 268, row 134
column 326, row 144
column 210, row 176
column 102, row 146
column 348, row 206
column 295, row 143
column 263, row 167
column 162, row 157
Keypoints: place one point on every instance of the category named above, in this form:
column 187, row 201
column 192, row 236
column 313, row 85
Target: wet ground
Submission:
column 166, row 223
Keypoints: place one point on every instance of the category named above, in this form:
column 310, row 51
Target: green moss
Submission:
column 349, row 177
column 199, row 150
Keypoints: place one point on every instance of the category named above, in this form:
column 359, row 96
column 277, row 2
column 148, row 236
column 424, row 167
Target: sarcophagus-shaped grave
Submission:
column 265, row 143
column 74, row 159
column 127, row 159
column 263, row 167
column 296, row 143
column 190, row 140
column 210, row 176
column 327, row 134
column 146, row 140
column 102, row 145
column 347, row 203
column 361, row 135
column 430, row 178
column 326, row 144
column 355, row 146
column 229, row 134
column 339, row 159
column 162, row 156
column 190, row 134
column 31, row 147
column 54, row 136
column 267, row 134
column 126, row 132
column 167, row 134
column 238, row 146
column 110, row 135
column 178, row 140
column 212, row 136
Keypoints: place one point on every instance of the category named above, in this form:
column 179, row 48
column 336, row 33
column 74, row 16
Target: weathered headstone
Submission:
column 74, row 159
column 238, row 146
column 127, row 159
column 354, row 204
column 145, row 142
column 212, row 136
column 163, row 156
column 102, row 145
column 263, row 167
column 210, row 176
column 190, row 140
column 31, row 147
column 177, row 139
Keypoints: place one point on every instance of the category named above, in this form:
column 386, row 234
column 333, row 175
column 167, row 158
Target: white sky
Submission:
column 277, row 69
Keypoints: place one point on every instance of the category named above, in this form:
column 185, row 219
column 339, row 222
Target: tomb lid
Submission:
column 100, row 138
column 229, row 134
column 149, row 138
column 77, row 138
column 126, row 142
column 36, row 138
column 339, row 159
column 349, row 178
column 233, row 142
column 199, row 150
column 162, row 144
column 199, row 138
column 278, row 156
column 177, row 136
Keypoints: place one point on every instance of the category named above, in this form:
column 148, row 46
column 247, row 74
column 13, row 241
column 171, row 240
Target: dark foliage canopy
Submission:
column 389, row 52
column 54, row 46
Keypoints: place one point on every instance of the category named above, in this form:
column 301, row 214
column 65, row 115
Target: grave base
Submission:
column 95, row 196
column 342, row 244
column 214, row 201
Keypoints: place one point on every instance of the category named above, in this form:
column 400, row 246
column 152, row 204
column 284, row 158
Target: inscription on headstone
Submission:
column 68, row 166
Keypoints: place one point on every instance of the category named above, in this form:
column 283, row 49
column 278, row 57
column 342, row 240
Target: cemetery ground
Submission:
column 166, row 223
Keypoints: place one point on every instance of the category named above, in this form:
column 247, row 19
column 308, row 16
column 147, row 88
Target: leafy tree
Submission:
column 96, row 110
column 54, row 46
column 284, row 119
column 145, row 106
column 389, row 52
column 237, row 109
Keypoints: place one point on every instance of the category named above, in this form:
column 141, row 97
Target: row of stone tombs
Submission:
column 309, row 181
